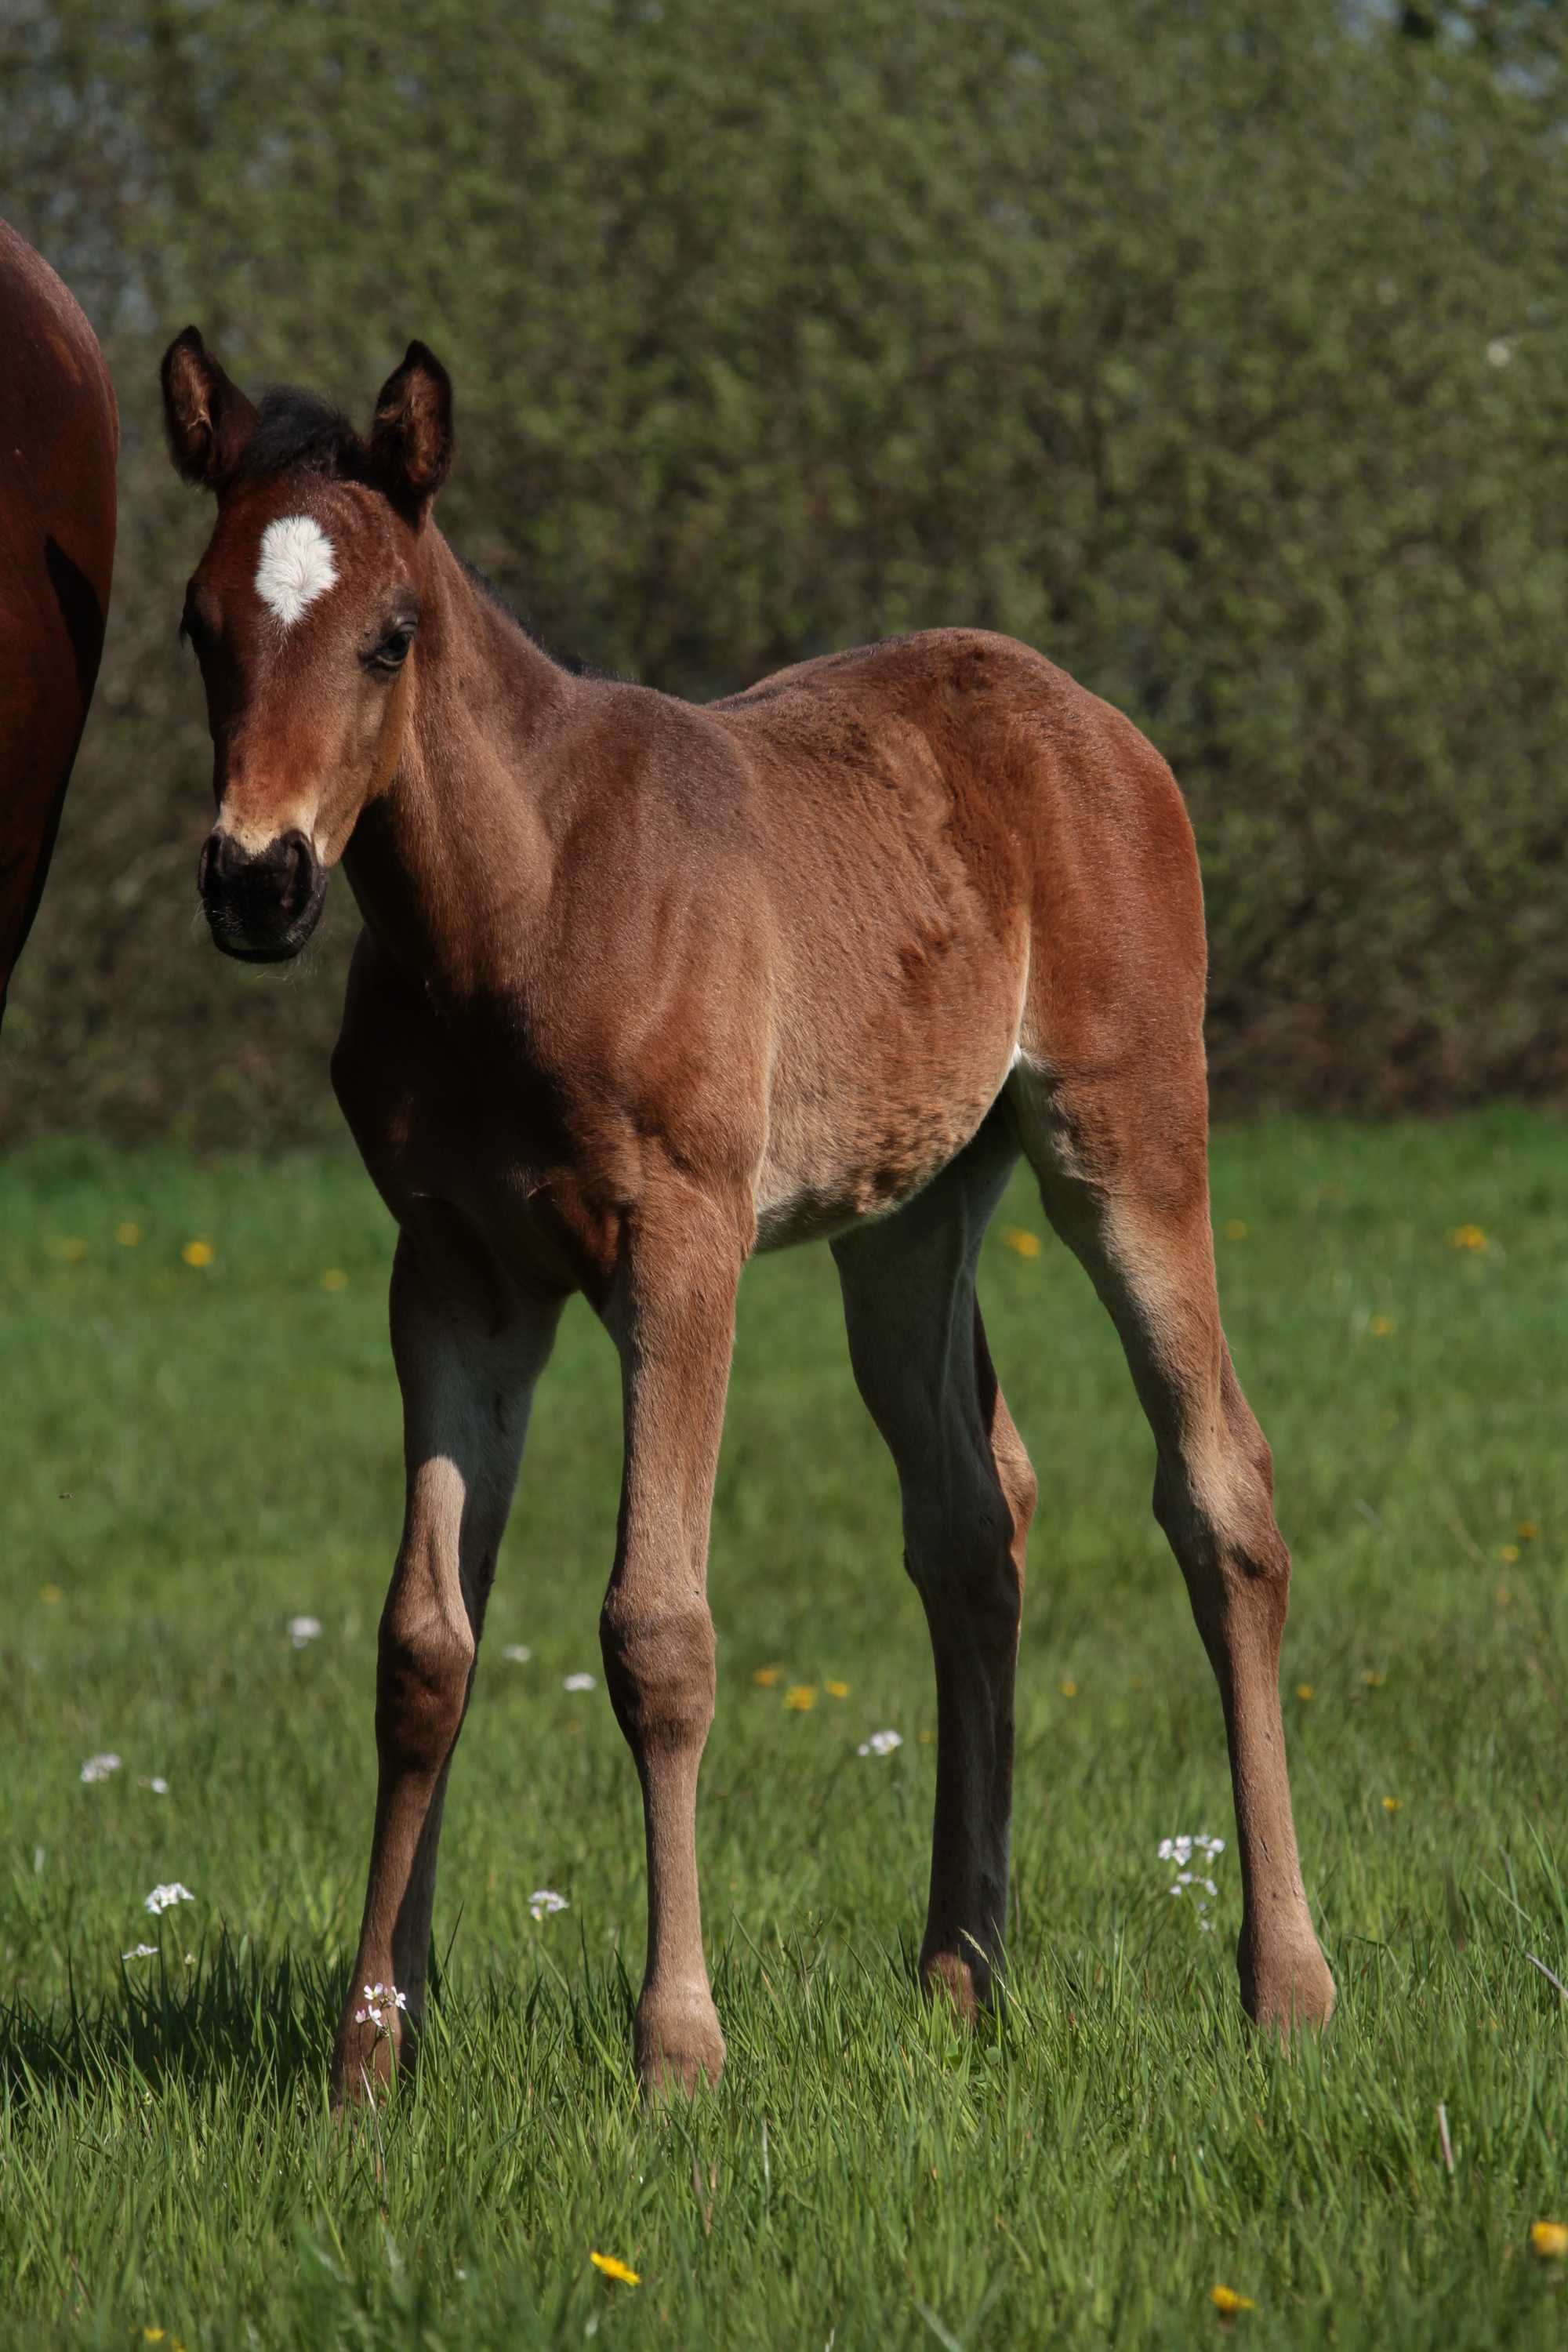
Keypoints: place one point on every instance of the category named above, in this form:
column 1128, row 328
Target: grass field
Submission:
column 193, row 1455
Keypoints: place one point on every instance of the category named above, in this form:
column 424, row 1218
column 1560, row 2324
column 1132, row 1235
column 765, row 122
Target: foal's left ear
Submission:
column 411, row 437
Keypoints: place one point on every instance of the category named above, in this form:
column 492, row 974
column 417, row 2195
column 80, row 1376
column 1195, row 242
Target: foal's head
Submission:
column 304, row 615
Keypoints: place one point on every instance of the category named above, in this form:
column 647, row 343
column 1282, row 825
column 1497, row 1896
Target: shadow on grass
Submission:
column 269, row 2017
column 266, row 2019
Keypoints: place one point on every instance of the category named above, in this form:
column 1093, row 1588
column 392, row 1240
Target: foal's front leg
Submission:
column 673, row 1319
column 467, row 1386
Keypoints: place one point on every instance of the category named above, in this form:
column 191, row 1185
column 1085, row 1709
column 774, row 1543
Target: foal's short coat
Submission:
column 643, row 988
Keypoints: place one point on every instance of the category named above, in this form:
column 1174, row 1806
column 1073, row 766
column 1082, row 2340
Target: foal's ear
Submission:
column 208, row 418
column 411, row 438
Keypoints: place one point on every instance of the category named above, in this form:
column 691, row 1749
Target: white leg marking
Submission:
column 295, row 566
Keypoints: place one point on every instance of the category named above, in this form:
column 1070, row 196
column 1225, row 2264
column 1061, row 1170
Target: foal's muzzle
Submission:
column 262, row 905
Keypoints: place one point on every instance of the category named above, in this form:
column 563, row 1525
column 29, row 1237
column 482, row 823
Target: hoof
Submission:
column 678, row 2048
column 365, row 2064
column 1286, row 1993
column 962, row 1981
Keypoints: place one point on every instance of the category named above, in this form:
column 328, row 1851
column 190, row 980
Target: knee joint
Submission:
column 423, row 1667
column 661, row 1671
column 1231, row 1552
column 969, row 1572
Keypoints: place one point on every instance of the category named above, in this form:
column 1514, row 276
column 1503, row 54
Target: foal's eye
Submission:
column 393, row 649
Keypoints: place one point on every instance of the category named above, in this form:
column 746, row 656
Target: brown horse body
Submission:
column 60, row 439
column 644, row 987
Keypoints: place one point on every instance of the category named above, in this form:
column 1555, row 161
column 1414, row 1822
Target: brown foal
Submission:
column 644, row 987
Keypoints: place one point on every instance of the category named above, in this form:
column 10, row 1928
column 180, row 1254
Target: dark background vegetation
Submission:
column 1216, row 348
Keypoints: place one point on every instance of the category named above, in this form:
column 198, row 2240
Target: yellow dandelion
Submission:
column 1306, row 1690
column 1526, row 1531
column 1394, row 1804
column 837, row 1690
column 801, row 1697
column 1373, row 1679
column 766, row 1676
column 1380, row 1326
column 613, row 2268
column 1225, row 2300
column 127, row 1233
column 1468, row 1237
column 1018, row 1239
column 49, row 1593
column 923, row 1738
column 1067, row 1687
column 334, row 1278
column 1508, row 1554
column 73, row 1249
column 198, row 1252
column 1549, row 2240
column 1236, row 1229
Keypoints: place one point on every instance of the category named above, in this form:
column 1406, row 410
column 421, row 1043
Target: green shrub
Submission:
column 1215, row 350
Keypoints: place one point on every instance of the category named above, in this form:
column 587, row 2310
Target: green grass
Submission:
column 189, row 1457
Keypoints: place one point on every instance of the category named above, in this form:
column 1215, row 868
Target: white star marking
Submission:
column 295, row 566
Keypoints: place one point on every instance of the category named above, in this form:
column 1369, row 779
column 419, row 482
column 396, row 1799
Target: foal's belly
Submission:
column 822, row 1174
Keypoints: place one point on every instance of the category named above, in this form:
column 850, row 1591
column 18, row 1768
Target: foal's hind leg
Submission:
column 921, row 1359
column 466, row 1384
column 1123, row 1166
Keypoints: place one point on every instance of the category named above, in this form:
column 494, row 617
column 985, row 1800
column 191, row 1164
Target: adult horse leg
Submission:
column 918, row 1351
column 672, row 1314
column 467, row 1386
column 1123, row 1165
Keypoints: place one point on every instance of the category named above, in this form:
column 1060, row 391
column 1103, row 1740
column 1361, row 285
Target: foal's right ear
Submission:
column 411, row 437
column 208, row 418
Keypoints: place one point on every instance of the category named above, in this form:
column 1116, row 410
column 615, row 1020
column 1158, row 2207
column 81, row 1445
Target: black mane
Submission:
column 296, row 430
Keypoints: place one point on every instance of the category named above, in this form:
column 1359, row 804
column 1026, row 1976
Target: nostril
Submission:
column 300, row 872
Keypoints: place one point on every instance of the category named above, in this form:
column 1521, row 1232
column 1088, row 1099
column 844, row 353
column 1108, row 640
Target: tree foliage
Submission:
column 1214, row 349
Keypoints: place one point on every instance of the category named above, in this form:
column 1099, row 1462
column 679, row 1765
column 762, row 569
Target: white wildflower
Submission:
column 302, row 1629
column 382, row 2001
column 518, row 1653
column 99, row 1768
column 141, row 1952
column 158, row 1785
column 544, row 1902
column 163, row 1898
column 1182, row 1852
column 1499, row 351
column 881, row 1743
column 578, row 1682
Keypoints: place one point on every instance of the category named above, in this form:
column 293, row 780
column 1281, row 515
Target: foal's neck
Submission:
column 450, row 862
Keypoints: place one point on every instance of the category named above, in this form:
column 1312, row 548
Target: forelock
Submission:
column 296, row 432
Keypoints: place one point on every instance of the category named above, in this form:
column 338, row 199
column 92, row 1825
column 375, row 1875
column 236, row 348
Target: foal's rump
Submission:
column 968, row 860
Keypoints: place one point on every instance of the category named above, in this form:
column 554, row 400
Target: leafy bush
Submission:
column 1215, row 350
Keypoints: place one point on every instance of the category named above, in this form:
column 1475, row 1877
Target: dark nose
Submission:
column 262, row 904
